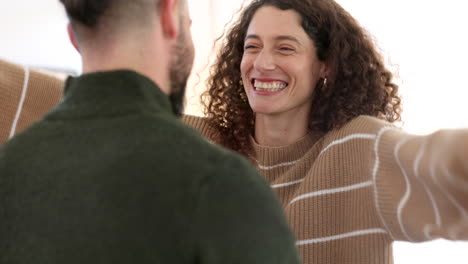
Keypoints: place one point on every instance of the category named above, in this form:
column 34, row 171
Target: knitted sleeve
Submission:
column 422, row 184
column 26, row 95
column 201, row 125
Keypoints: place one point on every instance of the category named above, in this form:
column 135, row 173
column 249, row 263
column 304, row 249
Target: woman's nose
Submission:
column 264, row 61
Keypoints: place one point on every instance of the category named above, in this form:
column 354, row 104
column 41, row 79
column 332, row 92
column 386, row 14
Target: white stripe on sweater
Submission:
column 418, row 159
column 336, row 142
column 452, row 231
column 448, row 195
column 263, row 167
column 286, row 184
column 417, row 164
column 332, row 191
column 374, row 176
column 341, row 236
column 348, row 138
column 404, row 200
column 456, row 181
column 21, row 102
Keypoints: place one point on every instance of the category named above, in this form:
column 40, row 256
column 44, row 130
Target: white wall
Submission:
column 34, row 33
column 210, row 18
column 427, row 39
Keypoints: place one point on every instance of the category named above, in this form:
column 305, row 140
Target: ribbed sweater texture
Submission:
column 353, row 192
column 25, row 97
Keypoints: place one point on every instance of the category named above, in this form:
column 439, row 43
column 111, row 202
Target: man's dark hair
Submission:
column 86, row 12
column 93, row 13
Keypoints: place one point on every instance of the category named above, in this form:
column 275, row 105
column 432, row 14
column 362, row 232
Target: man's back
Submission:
column 111, row 176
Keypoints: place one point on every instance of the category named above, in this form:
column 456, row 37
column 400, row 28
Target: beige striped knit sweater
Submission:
column 25, row 96
column 351, row 194
column 347, row 196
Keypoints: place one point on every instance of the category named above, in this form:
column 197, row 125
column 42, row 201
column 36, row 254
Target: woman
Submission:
column 299, row 89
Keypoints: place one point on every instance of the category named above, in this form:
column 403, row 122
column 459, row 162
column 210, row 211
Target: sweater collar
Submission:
column 273, row 156
column 112, row 93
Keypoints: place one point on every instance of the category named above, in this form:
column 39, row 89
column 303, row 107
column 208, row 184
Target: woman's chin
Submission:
column 264, row 110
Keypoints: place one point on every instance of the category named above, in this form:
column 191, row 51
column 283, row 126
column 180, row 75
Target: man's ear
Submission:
column 72, row 37
column 169, row 17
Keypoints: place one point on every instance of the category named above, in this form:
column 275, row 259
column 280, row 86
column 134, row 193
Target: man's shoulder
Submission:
column 189, row 146
column 204, row 146
column 26, row 141
column 156, row 141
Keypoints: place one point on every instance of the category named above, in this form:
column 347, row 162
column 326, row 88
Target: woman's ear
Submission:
column 325, row 70
column 72, row 37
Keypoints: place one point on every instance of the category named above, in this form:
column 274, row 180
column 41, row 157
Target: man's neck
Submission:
column 129, row 57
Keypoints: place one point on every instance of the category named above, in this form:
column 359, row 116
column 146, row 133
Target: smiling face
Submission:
column 279, row 68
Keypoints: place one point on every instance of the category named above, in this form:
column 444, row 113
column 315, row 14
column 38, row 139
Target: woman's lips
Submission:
column 268, row 85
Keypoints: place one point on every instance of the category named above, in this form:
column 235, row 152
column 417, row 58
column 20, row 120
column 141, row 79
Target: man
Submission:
column 112, row 176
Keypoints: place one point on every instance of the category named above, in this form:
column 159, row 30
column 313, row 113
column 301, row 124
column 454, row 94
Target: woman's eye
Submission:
column 249, row 47
column 286, row 49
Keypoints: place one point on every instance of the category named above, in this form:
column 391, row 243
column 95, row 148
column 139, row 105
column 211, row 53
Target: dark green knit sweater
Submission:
column 112, row 176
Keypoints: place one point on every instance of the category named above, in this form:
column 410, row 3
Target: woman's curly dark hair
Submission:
column 358, row 82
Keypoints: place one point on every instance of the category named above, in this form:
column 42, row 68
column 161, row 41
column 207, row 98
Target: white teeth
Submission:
column 269, row 86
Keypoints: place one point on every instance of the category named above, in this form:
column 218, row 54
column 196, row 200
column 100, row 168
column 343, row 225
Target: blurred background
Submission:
column 423, row 41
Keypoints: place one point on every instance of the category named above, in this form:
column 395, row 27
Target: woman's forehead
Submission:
column 272, row 23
